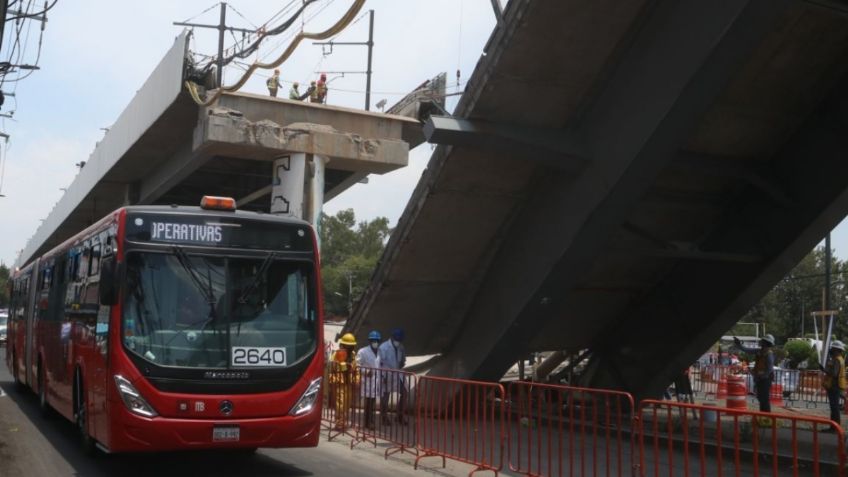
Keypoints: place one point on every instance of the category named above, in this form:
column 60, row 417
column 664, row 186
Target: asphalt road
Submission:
column 31, row 445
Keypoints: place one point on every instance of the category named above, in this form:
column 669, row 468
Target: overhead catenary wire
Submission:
column 340, row 25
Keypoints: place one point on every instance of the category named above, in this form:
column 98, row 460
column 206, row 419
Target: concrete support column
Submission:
column 316, row 166
column 287, row 188
column 298, row 188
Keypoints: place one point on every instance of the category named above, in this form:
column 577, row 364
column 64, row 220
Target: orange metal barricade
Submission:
column 735, row 442
column 460, row 420
column 382, row 409
column 563, row 430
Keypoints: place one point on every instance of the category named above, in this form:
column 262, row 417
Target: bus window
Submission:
column 94, row 267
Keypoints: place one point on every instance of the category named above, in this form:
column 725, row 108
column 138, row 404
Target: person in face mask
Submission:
column 368, row 359
column 392, row 359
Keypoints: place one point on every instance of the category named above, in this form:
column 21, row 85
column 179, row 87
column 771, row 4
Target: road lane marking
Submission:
column 2, row 393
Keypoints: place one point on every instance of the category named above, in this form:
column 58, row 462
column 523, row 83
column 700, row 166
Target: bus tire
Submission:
column 81, row 416
column 43, row 405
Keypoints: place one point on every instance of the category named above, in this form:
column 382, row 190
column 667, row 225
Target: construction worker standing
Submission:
column 763, row 368
column 343, row 376
column 834, row 381
column 321, row 90
column 273, row 83
column 392, row 361
column 368, row 360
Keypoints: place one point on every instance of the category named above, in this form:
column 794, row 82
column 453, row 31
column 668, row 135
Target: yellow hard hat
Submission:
column 348, row 339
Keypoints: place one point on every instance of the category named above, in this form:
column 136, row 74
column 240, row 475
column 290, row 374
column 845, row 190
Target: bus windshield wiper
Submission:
column 204, row 288
column 257, row 278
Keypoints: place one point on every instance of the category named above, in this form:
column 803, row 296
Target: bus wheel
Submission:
column 86, row 440
column 43, row 405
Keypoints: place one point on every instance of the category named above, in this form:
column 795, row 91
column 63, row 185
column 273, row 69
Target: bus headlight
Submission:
column 132, row 398
column 307, row 401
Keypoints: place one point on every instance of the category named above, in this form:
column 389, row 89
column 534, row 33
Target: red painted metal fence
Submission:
column 562, row 430
column 383, row 409
column 553, row 430
column 461, row 420
column 719, row 441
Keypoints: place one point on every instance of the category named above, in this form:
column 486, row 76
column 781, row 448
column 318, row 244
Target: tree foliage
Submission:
column 791, row 302
column 349, row 253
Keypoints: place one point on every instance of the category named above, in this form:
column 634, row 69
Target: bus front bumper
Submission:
column 132, row 433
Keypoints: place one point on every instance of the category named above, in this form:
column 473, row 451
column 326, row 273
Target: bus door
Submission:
column 97, row 355
column 29, row 318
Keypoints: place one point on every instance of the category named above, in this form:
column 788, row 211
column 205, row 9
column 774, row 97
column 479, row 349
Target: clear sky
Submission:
column 96, row 53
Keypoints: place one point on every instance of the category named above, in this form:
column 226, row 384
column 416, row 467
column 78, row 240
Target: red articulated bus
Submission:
column 167, row 328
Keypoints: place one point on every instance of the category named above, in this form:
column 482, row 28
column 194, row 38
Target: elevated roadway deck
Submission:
column 623, row 177
column 166, row 149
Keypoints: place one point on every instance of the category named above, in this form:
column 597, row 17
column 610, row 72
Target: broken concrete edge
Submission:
column 227, row 132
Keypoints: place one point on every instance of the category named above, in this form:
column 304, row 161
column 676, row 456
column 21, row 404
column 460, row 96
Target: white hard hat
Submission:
column 838, row 345
column 768, row 339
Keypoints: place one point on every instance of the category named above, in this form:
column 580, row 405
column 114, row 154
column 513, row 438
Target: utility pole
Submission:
column 827, row 260
column 222, row 29
column 370, row 45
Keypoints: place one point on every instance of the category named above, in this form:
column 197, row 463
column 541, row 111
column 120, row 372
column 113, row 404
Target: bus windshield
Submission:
column 209, row 311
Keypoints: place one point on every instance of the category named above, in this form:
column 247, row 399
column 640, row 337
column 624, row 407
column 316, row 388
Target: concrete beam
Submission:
column 677, row 65
column 225, row 134
column 549, row 146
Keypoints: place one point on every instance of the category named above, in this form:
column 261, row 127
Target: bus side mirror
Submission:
column 108, row 282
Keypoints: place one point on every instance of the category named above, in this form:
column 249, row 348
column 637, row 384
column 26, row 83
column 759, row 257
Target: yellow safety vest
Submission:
column 761, row 364
column 835, row 368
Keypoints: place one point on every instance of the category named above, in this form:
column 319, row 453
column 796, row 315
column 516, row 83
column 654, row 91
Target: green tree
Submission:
column 349, row 253
column 794, row 298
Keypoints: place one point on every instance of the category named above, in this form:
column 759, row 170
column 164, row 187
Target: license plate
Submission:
column 225, row 434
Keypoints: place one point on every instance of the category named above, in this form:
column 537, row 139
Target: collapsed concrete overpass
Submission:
column 623, row 177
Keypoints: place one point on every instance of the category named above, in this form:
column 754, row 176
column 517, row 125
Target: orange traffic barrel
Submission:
column 776, row 395
column 737, row 392
column 721, row 391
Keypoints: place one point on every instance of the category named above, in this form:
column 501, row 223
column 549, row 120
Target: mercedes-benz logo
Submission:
column 226, row 407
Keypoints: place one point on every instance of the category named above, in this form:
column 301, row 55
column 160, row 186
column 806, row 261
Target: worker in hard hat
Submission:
column 273, row 83
column 321, row 89
column 343, row 375
column 368, row 360
column 834, row 379
column 763, row 371
column 312, row 92
column 294, row 92
column 392, row 360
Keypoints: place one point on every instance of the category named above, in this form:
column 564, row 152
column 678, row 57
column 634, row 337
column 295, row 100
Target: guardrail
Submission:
column 383, row 406
column 461, row 420
column 721, row 441
column 562, row 430
column 547, row 430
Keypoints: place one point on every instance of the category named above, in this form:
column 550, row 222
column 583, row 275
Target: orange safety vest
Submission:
column 835, row 368
column 343, row 367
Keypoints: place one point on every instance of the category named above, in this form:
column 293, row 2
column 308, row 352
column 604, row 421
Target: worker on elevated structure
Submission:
column 273, row 83
column 343, row 375
column 368, row 360
column 763, row 368
column 319, row 95
column 834, row 381
column 294, row 92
